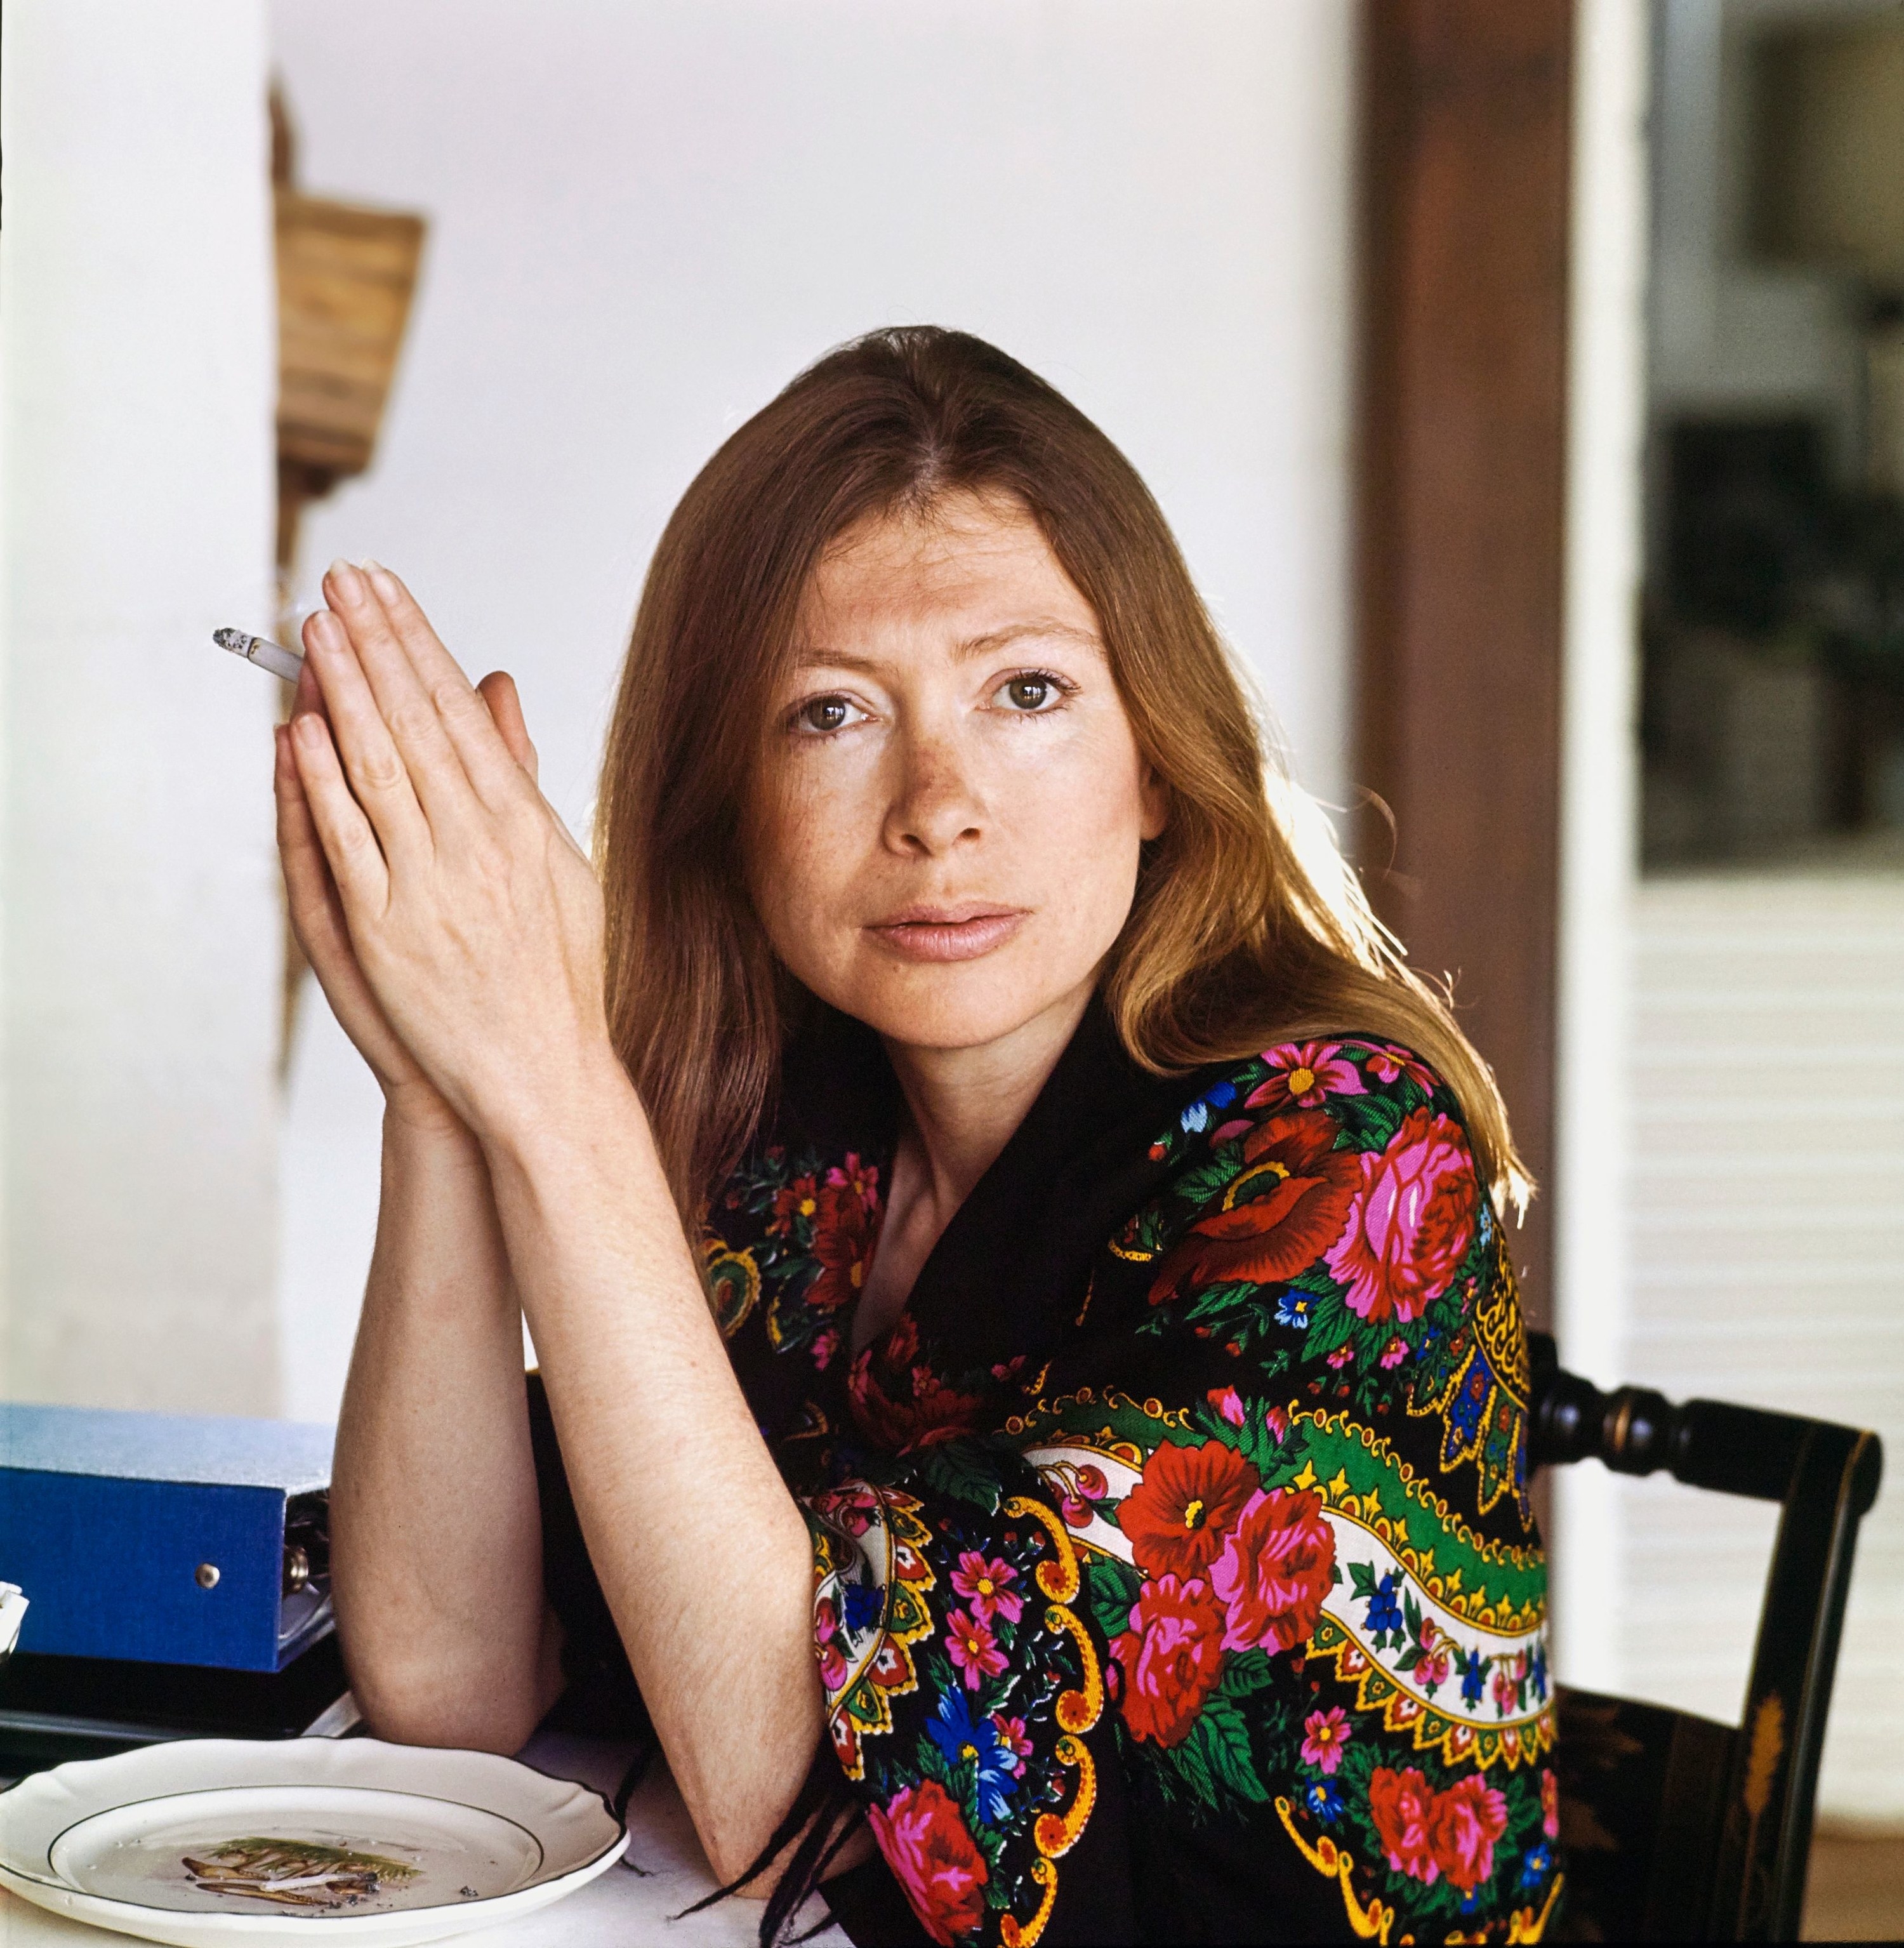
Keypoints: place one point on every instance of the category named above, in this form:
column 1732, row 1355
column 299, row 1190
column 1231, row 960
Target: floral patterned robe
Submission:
column 1176, row 1575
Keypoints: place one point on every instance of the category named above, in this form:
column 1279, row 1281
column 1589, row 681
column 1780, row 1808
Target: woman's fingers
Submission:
column 494, row 768
column 317, row 914
column 497, row 689
column 344, row 831
column 379, row 773
column 418, row 706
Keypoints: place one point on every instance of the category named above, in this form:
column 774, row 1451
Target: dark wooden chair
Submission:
column 1677, row 1829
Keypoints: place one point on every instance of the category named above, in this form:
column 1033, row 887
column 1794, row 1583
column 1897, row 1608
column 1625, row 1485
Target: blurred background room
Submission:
column 1524, row 381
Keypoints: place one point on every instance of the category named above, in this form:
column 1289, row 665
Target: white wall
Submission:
column 1606, row 430
column 645, row 218
column 141, row 945
column 1767, row 1234
column 1731, row 1207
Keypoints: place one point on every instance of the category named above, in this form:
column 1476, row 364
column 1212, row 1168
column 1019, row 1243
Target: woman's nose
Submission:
column 936, row 805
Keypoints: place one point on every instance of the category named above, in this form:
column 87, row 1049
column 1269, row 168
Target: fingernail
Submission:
column 308, row 726
column 382, row 580
column 325, row 631
column 345, row 578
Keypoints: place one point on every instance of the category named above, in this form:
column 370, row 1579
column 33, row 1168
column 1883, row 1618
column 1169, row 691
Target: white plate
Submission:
column 402, row 1844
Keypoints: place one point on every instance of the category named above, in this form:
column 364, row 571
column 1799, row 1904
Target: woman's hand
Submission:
column 453, row 923
column 317, row 915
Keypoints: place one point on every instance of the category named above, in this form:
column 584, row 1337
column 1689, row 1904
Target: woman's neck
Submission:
column 963, row 1106
column 965, row 1103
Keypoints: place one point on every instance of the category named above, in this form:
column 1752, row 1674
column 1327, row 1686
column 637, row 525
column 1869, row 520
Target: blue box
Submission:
column 165, row 1538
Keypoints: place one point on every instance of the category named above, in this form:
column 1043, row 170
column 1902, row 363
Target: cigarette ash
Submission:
column 295, row 1873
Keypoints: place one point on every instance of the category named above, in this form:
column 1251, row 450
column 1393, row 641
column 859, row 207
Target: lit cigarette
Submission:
column 272, row 656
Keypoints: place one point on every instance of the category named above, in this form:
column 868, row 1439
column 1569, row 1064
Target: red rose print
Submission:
column 1275, row 1570
column 935, row 1861
column 901, row 1408
column 844, row 1231
column 1463, row 1824
column 1411, row 1223
column 1400, row 1803
column 1293, row 1195
column 1178, row 1515
column 1302, row 1074
column 1171, row 1658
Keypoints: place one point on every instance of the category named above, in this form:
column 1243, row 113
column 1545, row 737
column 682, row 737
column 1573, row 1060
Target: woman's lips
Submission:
column 924, row 933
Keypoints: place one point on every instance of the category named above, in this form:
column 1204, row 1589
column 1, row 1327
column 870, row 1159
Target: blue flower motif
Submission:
column 960, row 1737
column 1222, row 1096
column 1537, row 1671
column 1385, row 1613
column 1196, row 1117
column 1538, row 1864
column 1474, row 1672
column 1324, row 1799
column 1293, row 1308
column 862, row 1605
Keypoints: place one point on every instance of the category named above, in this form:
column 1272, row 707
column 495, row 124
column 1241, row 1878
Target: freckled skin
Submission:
column 984, row 758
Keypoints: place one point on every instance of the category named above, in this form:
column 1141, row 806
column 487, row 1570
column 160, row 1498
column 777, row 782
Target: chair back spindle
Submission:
column 1727, row 1864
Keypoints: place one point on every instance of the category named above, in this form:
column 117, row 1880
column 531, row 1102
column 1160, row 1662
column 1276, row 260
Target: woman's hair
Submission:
column 1247, row 927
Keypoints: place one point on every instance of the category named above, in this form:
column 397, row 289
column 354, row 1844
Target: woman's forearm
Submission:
column 702, row 1552
column 436, row 1539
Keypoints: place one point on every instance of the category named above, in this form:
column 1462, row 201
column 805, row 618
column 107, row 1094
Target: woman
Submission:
column 1015, row 1262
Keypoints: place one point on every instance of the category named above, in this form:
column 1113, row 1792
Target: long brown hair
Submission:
column 1247, row 928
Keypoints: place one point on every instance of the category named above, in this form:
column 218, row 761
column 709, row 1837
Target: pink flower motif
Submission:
column 1387, row 1063
column 1399, row 1805
column 973, row 1648
column 862, row 1179
column 1277, row 1564
column 934, row 1858
column 986, row 1586
column 1277, row 1421
column 1341, row 1355
column 1303, row 1074
column 1013, row 1740
column 824, row 1347
column 825, row 1633
column 1550, row 1805
column 1228, row 1133
column 1228, row 1403
column 1504, row 1687
column 853, row 1509
column 1411, row 1222
column 1463, row 1824
column 1325, row 1733
column 1394, row 1353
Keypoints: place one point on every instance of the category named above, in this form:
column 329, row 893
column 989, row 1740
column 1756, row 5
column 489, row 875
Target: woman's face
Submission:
column 944, row 841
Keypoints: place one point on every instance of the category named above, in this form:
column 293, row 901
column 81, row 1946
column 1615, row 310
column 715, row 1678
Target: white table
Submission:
column 631, row 1905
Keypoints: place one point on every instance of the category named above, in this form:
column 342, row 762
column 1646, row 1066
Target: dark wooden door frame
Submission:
column 1465, row 160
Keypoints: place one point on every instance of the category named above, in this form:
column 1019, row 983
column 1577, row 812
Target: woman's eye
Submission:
column 1032, row 693
column 822, row 715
